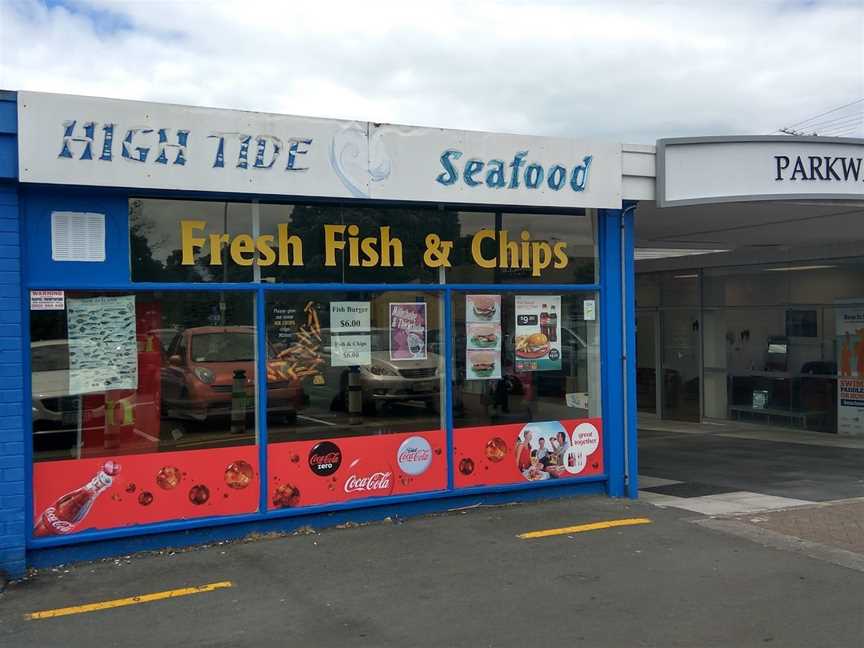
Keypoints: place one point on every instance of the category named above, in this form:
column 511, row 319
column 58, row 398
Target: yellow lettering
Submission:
column 331, row 243
column 367, row 245
column 525, row 236
column 353, row 252
column 388, row 245
column 188, row 240
column 560, row 255
column 541, row 257
column 476, row 252
column 296, row 257
column 241, row 245
column 216, row 241
column 264, row 245
column 508, row 252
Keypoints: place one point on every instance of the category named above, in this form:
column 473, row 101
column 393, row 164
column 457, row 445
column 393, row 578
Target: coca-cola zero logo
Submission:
column 325, row 458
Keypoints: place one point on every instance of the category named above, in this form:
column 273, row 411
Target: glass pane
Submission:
column 355, row 386
column 156, row 241
column 520, row 248
column 646, row 362
column 185, row 240
column 681, row 384
column 526, row 379
column 152, row 395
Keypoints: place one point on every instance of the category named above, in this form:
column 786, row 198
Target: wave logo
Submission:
column 358, row 159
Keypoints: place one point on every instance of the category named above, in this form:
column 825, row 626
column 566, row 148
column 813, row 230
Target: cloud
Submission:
column 630, row 71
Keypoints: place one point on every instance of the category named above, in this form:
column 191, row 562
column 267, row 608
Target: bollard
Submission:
column 355, row 397
column 238, row 402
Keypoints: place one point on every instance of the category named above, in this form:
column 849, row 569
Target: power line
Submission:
column 834, row 122
column 827, row 112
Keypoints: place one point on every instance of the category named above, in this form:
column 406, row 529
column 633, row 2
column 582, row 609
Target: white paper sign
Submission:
column 47, row 300
column 351, row 350
column 103, row 352
column 589, row 310
column 350, row 316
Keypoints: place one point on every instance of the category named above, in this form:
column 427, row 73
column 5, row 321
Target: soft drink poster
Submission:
column 306, row 473
column 528, row 452
column 78, row 495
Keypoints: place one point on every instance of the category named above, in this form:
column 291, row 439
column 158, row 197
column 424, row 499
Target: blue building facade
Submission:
column 189, row 356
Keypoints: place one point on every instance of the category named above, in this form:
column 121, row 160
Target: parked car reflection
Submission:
column 198, row 380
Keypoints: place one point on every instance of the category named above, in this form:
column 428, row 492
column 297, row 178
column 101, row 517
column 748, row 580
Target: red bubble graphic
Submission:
column 130, row 487
column 466, row 466
column 168, row 478
column 286, row 496
column 496, row 449
column 145, row 498
column 199, row 494
column 111, row 467
column 239, row 475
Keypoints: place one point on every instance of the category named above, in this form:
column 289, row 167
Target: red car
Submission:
column 198, row 378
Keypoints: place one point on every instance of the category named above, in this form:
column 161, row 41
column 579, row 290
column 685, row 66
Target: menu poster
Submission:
column 483, row 308
column 482, row 337
column 538, row 332
column 408, row 331
column 350, row 328
column 103, row 351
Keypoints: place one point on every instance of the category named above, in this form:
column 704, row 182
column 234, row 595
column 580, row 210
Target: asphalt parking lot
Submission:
column 464, row 578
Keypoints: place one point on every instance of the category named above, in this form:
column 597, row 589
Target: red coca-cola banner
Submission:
column 527, row 452
column 102, row 493
column 304, row 473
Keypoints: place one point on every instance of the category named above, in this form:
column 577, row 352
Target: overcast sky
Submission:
column 622, row 70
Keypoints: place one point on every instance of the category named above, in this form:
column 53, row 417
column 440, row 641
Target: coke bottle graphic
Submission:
column 544, row 321
column 553, row 326
column 62, row 516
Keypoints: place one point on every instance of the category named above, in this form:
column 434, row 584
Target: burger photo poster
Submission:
column 538, row 332
column 483, row 337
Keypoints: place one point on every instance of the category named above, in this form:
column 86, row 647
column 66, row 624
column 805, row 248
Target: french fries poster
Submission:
column 297, row 338
column 538, row 332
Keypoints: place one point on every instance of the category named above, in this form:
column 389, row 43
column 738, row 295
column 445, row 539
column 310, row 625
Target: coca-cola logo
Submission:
column 374, row 482
column 325, row 458
column 414, row 456
column 60, row 526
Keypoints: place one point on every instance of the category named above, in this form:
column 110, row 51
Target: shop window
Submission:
column 178, row 241
column 524, row 248
column 366, row 371
column 526, row 387
column 148, row 396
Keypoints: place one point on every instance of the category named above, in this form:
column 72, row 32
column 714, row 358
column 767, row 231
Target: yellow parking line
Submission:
column 132, row 600
column 594, row 526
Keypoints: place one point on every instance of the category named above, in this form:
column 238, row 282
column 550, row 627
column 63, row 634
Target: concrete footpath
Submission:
column 460, row 579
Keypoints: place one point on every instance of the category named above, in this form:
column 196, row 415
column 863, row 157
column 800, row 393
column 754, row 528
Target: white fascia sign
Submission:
column 75, row 140
column 703, row 170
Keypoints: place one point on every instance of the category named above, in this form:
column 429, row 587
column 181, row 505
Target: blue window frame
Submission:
column 614, row 282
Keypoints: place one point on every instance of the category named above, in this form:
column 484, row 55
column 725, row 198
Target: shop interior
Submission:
column 745, row 323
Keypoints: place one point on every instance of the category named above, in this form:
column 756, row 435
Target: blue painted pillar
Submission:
column 13, row 470
column 629, row 310
column 612, row 348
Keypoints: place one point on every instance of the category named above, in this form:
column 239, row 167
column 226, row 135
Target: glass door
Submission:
column 680, row 387
column 647, row 329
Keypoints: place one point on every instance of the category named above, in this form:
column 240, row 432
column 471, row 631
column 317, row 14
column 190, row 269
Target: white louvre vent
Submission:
column 77, row 236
